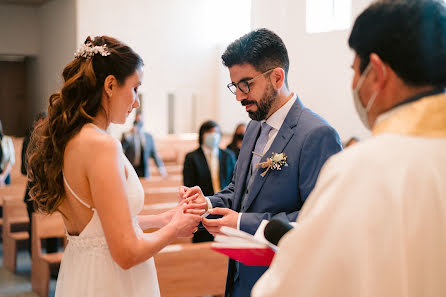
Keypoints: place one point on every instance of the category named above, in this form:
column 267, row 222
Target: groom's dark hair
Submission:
column 262, row 48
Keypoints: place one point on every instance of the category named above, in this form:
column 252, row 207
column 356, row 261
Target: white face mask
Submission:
column 361, row 110
column 212, row 140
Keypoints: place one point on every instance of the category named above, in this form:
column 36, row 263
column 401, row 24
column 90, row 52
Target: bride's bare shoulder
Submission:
column 91, row 141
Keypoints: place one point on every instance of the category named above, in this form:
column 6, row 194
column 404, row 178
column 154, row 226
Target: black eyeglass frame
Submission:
column 246, row 83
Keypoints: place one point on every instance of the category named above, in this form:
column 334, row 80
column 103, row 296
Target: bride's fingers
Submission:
column 195, row 206
column 191, row 198
column 195, row 211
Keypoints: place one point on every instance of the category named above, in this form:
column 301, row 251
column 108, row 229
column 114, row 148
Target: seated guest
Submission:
column 139, row 146
column 7, row 159
column 208, row 167
column 237, row 139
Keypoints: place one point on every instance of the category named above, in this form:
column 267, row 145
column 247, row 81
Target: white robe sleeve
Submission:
column 360, row 234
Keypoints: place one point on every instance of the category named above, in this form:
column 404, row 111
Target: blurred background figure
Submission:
column 208, row 167
column 139, row 147
column 237, row 139
column 7, row 158
column 353, row 140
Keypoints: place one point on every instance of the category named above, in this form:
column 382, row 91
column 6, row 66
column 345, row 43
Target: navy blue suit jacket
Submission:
column 308, row 141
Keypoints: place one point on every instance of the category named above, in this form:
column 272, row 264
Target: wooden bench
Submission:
column 171, row 169
column 44, row 226
column 191, row 270
column 161, row 195
column 14, row 213
column 157, row 208
column 158, row 181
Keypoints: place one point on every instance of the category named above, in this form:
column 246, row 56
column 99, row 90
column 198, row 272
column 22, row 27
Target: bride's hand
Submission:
column 188, row 204
column 185, row 224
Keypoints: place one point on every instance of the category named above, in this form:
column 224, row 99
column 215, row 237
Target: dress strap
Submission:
column 74, row 194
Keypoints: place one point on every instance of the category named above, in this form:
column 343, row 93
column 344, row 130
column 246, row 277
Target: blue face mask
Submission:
column 212, row 140
column 139, row 124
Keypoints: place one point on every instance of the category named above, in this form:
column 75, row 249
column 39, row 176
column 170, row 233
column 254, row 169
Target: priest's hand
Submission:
column 229, row 219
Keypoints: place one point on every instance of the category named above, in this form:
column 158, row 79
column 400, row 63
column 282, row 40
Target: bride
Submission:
column 81, row 171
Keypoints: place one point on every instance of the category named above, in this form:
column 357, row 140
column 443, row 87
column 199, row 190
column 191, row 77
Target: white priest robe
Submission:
column 375, row 224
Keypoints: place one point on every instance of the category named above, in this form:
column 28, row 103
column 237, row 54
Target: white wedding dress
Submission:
column 88, row 269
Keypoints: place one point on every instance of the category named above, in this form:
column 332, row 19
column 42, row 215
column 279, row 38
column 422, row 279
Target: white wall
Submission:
column 178, row 41
column 319, row 63
column 57, row 21
column 19, row 32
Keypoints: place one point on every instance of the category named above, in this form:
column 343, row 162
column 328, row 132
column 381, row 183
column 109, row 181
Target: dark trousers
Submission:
column 140, row 170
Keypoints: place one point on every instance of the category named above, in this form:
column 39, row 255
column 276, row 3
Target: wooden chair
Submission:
column 191, row 270
column 14, row 213
column 44, row 226
column 16, row 190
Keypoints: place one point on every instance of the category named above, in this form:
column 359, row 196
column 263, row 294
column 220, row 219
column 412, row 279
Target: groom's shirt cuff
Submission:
column 238, row 220
column 209, row 207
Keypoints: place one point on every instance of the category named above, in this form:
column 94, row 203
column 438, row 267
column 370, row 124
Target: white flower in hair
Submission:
column 88, row 50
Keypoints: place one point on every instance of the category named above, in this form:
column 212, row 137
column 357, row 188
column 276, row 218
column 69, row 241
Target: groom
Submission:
column 258, row 66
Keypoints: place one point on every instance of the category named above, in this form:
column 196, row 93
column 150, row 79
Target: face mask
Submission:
column 139, row 124
column 361, row 110
column 212, row 140
column 239, row 136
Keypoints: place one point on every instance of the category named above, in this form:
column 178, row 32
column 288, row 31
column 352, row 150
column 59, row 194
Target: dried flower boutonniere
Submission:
column 276, row 162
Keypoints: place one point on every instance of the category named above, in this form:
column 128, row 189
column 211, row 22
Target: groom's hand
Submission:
column 229, row 219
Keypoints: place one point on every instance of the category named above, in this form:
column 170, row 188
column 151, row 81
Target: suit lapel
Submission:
column 282, row 138
column 222, row 167
column 244, row 162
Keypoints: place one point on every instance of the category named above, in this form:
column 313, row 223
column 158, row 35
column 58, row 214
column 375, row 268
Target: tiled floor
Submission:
column 19, row 284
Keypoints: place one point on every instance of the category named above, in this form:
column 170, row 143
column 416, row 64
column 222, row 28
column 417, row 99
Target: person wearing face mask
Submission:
column 209, row 167
column 375, row 223
column 237, row 139
column 139, row 147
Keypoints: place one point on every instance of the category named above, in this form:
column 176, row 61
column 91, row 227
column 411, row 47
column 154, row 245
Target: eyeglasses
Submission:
column 244, row 84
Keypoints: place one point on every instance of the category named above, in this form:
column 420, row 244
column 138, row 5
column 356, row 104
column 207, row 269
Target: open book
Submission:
column 245, row 248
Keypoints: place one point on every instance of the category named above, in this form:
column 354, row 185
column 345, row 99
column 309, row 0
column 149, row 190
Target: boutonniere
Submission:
column 276, row 162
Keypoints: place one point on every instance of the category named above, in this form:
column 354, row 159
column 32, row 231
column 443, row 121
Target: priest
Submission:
column 375, row 223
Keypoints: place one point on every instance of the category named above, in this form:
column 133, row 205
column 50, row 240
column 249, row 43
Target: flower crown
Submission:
column 88, row 50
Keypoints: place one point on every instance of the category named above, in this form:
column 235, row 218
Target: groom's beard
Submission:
column 264, row 106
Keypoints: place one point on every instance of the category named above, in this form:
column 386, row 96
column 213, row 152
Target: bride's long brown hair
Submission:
column 76, row 104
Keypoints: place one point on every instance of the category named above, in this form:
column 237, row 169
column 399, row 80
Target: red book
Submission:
column 248, row 256
column 245, row 248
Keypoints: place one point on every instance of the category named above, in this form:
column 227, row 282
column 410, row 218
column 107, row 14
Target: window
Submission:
column 328, row 15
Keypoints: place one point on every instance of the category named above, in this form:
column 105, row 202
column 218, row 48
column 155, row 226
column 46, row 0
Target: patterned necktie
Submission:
column 260, row 144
